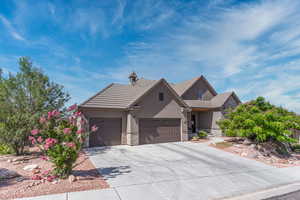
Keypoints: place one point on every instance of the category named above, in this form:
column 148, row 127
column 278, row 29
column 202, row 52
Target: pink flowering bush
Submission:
column 60, row 136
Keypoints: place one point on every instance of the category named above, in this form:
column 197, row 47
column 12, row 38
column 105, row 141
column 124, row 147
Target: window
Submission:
column 200, row 95
column 161, row 96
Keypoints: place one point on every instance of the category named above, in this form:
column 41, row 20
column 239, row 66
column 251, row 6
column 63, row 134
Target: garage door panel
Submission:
column 109, row 132
column 159, row 130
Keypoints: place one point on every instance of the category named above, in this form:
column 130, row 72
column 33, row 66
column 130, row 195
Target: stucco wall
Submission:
column 198, row 87
column 218, row 115
column 151, row 107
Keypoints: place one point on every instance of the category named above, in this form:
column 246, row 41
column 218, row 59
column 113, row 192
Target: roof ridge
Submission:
column 156, row 83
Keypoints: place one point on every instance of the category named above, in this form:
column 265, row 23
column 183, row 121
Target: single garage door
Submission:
column 109, row 132
column 153, row 131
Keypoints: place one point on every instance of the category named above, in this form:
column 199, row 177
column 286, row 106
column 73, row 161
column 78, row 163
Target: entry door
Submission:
column 193, row 123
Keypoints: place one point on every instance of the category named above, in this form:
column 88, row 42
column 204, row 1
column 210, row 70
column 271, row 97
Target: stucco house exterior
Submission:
column 154, row 111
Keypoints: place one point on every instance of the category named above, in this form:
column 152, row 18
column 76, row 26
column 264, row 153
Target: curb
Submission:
column 268, row 193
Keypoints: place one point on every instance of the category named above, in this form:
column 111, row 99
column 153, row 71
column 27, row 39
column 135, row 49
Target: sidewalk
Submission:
column 105, row 194
column 112, row 194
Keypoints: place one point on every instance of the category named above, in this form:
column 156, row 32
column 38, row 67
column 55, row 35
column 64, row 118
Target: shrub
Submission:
column 296, row 148
column 196, row 137
column 5, row 149
column 260, row 121
column 60, row 136
column 202, row 134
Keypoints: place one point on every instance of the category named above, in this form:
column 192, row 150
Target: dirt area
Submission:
column 252, row 151
column 199, row 140
column 86, row 177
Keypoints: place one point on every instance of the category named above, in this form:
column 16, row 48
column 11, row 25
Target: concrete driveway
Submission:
column 183, row 170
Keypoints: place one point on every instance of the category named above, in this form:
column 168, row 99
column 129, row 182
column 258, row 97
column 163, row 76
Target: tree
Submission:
column 23, row 99
column 261, row 121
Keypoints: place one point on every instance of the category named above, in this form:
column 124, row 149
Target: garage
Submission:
column 108, row 134
column 153, row 131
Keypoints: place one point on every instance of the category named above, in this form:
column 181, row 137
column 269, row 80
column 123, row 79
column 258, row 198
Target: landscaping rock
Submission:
column 30, row 167
column 18, row 159
column 17, row 163
column 252, row 155
column 36, row 171
column 244, row 154
column 20, row 179
column 72, row 178
column 7, row 174
column 247, row 141
column 9, row 160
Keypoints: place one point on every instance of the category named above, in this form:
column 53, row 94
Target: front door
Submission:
column 193, row 123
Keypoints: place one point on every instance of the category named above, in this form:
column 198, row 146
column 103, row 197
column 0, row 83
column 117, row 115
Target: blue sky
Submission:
column 251, row 47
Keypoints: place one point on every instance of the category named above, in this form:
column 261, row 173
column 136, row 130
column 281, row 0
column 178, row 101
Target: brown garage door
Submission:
column 109, row 132
column 159, row 130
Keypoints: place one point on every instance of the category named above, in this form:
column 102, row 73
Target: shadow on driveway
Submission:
column 113, row 172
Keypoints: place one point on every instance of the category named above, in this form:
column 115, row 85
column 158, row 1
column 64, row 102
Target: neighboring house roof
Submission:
column 182, row 87
column 216, row 102
column 121, row 96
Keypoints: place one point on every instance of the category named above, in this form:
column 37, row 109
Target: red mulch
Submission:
column 87, row 176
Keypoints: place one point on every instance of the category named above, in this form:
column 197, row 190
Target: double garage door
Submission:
column 151, row 131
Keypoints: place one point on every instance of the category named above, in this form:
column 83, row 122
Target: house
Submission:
column 155, row 111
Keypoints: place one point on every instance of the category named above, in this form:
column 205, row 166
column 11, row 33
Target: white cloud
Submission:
column 233, row 45
column 13, row 32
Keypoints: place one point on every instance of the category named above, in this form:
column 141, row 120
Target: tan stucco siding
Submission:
column 217, row 115
column 198, row 88
column 151, row 107
column 103, row 113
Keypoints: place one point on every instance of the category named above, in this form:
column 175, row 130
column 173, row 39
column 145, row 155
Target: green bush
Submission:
column 260, row 121
column 202, row 134
column 196, row 137
column 5, row 149
column 296, row 148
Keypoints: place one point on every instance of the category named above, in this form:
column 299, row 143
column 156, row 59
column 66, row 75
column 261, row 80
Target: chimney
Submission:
column 133, row 78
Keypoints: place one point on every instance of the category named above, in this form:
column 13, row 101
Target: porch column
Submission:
column 184, row 125
column 132, row 129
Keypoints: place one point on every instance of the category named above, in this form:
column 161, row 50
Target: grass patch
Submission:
column 223, row 145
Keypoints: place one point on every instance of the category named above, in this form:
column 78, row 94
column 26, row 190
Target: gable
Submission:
column 231, row 102
column 200, row 87
column 150, row 105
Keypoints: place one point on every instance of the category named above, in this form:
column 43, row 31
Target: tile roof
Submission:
column 180, row 88
column 122, row 96
column 119, row 95
column 216, row 102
